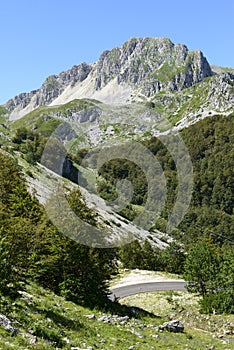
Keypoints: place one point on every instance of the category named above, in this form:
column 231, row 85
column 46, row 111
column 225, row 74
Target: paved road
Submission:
column 125, row 291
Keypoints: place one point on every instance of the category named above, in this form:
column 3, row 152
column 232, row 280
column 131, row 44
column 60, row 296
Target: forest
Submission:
column 31, row 248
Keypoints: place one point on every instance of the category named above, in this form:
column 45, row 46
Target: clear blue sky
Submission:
column 44, row 37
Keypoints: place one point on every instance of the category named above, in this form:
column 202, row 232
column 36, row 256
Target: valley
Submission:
column 115, row 173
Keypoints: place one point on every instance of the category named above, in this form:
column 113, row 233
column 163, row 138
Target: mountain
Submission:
column 147, row 87
column 144, row 89
column 133, row 153
column 138, row 70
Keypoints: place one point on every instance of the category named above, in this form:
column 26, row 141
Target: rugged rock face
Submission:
column 221, row 92
column 146, row 65
column 53, row 86
column 85, row 115
column 153, row 65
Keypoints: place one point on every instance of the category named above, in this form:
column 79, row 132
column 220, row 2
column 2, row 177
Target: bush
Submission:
column 220, row 303
column 8, row 276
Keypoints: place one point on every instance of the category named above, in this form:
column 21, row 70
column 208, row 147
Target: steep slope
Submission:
column 53, row 323
column 138, row 69
column 94, row 123
column 177, row 89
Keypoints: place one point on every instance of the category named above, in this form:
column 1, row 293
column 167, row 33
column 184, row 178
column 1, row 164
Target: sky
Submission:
column 44, row 37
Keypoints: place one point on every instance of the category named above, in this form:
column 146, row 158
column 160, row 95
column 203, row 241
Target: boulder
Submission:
column 175, row 326
column 7, row 325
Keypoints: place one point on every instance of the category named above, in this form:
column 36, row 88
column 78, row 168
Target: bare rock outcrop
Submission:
column 146, row 65
column 53, row 86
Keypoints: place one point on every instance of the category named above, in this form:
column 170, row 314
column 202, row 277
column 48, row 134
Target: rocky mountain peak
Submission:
column 53, row 86
column 142, row 66
column 153, row 64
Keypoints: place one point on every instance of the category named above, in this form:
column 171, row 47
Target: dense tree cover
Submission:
column 206, row 234
column 30, row 144
column 148, row 257
column 210, row 217
column 31, row 247
column 119, row 169
column 35, row 148
column 210, row 145
column 19, row 216
column 210, row 272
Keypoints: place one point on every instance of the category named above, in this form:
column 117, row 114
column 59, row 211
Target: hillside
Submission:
column 138, row 69
column 190, row 102
column 53, row 323
column 123, row 163
column 176, row 90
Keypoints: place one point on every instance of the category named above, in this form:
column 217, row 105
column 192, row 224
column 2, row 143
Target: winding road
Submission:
column 124, row 291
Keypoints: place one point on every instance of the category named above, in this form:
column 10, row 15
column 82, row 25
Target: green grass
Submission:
column 202, row 329
column 3, row 114
column 57, row 323
column 193, row 104
column 167, row 72
column 4, row 132
column 45, row 119
column 3, row 110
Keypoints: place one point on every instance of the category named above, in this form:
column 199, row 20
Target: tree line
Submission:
column 202, row 249
column 31, row 248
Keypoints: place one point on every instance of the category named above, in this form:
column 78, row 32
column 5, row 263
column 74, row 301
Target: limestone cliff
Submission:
column 142, row 66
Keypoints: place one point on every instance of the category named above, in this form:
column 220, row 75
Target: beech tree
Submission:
column 31, row 248
column 210, row 272
column 201, row 268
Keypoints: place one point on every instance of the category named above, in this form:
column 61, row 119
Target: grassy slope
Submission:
column 57, row 323
column 44, row 119
column 201, row 329
column 53, row 320
column 4, row 132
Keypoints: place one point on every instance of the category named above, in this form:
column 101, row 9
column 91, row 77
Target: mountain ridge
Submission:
column 137, row 70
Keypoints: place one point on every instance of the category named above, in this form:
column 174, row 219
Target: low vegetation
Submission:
column 202, row 331
column 59, row 281
column 31, row 247
column 44, row 320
